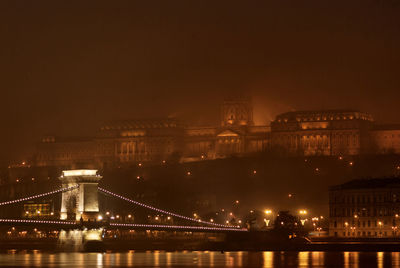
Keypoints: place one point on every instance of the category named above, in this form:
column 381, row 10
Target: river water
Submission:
column 200, row 259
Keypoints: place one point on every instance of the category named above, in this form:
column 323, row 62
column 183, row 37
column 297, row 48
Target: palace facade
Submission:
column 159, row 140
column 301, row 133
column 330, row 132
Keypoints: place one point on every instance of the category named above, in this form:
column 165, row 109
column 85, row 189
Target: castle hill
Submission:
column 235, row 176
column 242, row 134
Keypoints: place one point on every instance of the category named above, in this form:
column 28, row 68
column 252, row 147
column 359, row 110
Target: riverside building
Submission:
column 365, row 208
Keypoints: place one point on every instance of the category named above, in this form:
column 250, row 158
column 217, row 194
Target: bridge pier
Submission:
column 83, row 201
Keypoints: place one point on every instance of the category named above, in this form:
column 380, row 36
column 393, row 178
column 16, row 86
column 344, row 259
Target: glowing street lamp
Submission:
column 268, row 212
column 303, row 212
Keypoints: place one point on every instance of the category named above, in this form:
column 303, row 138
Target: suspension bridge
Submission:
column 80, row 191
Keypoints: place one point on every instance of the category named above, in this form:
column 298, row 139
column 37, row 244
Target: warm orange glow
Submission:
column 303, row 212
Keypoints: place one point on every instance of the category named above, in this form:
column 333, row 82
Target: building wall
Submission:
column 336, row 132
column 236, row 113
column 65, row 152
column 365, row 212
column 386, row 140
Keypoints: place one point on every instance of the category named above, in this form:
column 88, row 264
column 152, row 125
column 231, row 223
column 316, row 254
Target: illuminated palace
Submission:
column 155, row 141
column 329, row 132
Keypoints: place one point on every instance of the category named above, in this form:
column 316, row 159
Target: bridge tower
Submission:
column 81, row 202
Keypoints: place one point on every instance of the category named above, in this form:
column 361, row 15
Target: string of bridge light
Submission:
column 177, row 227
column 38, row 195
column 38, row 221
column 161, row 210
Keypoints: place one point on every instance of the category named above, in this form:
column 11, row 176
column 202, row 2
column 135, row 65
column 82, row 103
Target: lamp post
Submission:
column 380, row 228
column 267, row 219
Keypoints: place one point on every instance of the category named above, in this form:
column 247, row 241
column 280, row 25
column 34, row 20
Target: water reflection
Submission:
column 268, row 258
column 380, row 259
column 303, row 258
column 201, row 259
column 395, row 259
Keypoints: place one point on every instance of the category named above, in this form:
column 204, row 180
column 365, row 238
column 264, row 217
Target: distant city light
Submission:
column 268, row 211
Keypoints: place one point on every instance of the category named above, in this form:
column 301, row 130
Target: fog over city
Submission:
column 68, row 66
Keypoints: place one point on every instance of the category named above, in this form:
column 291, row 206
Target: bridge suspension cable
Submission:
column 133, row 225
column 161, row 210
column 39, row 195
column 37, row 221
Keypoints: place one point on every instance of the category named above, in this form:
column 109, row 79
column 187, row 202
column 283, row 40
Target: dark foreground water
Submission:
column 201, row 259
